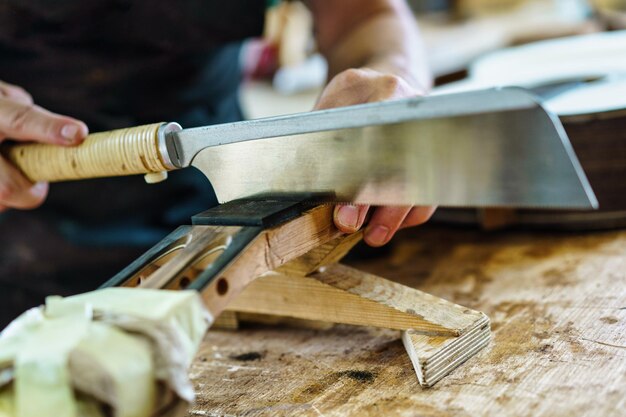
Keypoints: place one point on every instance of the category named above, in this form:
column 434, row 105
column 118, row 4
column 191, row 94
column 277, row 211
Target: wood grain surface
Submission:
column 341, row 294
column 558, row 308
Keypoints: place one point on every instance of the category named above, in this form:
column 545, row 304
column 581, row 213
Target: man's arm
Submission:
column 375, row 53
column 378, row 34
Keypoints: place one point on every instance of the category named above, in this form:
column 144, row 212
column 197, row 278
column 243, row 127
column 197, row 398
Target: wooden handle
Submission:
column 119, row 152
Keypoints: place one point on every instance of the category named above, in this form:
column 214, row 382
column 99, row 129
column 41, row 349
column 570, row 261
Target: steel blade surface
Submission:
column 404, row 153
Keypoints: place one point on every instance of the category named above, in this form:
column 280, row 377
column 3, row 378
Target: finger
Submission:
column 384, row 223
column 29, row 122
column 417, row 216
column 16, row 93
column 344, row 89
column 16, row 191
column 349, row 218
column 3, row 208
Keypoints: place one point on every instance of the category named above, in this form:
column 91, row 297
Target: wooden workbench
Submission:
column 558, row 308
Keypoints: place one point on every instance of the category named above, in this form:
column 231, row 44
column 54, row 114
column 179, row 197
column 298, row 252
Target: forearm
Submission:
column 380, row 40
column 385, row 39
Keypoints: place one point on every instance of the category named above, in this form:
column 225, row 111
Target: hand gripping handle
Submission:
column 135, row 150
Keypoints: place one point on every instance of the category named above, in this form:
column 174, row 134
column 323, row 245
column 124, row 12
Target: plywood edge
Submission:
column 434, row 357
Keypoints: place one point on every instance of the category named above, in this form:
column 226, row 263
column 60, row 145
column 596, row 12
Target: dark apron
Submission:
column 112, row 64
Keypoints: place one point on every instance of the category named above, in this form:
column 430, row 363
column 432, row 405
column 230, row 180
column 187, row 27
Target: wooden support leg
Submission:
column 292, row 270
column 341, row 294
column 437, row 334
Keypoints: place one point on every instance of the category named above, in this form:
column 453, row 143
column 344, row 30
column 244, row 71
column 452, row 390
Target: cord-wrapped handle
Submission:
column 135, row 150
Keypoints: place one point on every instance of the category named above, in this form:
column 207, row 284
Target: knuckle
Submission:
column 15, row 92
column 20, row 90
column 19, row 117
column 25, row 95
column 351, row 75
column 392, row 82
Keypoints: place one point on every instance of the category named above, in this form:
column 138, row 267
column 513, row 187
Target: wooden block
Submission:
column 340, row 294
column 268, row 251
column 326, row 254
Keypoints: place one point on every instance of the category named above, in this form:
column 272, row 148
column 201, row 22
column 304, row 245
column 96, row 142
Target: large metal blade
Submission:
column 496, row 148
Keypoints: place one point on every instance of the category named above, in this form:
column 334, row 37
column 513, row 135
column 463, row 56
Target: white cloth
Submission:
column 126, row 348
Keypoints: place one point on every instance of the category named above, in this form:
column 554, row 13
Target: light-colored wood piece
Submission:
column 273, row 248
column 326, row 253
column 320, row 256
column 340, row 294
column 119, row 152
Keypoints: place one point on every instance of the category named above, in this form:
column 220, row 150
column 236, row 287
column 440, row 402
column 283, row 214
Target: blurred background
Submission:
column 571, row 53
column 286, row 73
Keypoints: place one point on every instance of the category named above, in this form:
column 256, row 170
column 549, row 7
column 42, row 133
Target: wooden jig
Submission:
column 280, row 257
